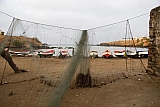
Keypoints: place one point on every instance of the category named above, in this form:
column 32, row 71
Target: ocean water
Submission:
column 100, row 49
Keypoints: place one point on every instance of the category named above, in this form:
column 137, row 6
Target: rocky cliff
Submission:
column 141, row 42
column 21, row 41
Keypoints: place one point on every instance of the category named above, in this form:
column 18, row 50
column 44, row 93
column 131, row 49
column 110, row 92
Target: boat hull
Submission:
column 138, row 54
column 107, row 54
column 93, row 54
column 49, row 55
column 143, row 54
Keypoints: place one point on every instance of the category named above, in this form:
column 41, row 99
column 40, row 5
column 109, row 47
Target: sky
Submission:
column 79, row 14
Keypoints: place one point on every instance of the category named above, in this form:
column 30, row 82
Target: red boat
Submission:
column 107, row 54
column 19, row 52
column 47, row 53
column 63, row 53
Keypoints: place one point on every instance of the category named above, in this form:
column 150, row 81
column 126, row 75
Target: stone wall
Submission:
column 154, row 48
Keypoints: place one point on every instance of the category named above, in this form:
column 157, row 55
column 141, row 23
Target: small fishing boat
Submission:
column 119, row 53
column 131, row 54
column 63, row 53
column 19, row 52
column 143, row 54
column 46, row 53
column 123, row 54
column 107, row 54
column 93, row 54
column 128, row 53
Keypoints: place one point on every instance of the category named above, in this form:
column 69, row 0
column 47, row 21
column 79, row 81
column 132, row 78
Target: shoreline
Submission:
column 28, row 90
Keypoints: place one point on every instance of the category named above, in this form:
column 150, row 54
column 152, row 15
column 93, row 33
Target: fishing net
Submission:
column 56, row 58
column 28, row 36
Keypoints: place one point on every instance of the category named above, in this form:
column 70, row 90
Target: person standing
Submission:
column 60, row 54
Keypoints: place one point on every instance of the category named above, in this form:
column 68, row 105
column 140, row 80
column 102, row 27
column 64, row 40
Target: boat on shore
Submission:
column 131, row 54
column 47, row 53
column 128, row 53
column 119, row 53
column 63, row 53
column 143, row 54
column 93, row 54
column 19, row 53
column 107, row 54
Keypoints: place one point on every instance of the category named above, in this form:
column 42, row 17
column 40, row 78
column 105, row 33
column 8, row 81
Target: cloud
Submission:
column 81, row 14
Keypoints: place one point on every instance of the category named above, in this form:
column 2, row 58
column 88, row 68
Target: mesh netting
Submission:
column 55, row 58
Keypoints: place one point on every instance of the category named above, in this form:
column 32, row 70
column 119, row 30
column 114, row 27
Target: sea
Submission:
column 100, row 49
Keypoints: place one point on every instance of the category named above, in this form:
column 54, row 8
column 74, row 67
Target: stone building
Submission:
column 154, row 48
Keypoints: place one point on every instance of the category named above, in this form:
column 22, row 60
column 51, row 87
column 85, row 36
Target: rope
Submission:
column 73, row 65
column 74, row 28
column 125, row 50
column 134, row 43
column 3, row 44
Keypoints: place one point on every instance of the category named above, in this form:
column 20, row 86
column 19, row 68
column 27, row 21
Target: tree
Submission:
column 8, row 58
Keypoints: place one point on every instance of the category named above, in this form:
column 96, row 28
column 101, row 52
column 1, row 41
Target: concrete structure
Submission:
column 154, row 48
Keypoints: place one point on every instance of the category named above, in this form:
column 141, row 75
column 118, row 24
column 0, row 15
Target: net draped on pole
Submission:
column 65, row 82
column 57, row 35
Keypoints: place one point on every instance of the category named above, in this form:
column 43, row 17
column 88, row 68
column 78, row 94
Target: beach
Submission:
column 126, row 84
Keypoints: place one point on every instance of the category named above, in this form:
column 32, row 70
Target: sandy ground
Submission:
column 30, row 89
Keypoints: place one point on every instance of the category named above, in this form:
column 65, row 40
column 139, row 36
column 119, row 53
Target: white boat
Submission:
column 118, row 53
column 143, row 54
column 128, row 53
column 93, row 54
column 63, row 53
column 19, row 52
column 46, row 53
column 124, row 54
column 131, row 54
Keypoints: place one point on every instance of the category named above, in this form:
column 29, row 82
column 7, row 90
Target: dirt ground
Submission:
column 126, row 84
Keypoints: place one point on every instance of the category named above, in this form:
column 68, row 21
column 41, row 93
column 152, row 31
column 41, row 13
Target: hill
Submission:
column 139, row 42
column 21, row 41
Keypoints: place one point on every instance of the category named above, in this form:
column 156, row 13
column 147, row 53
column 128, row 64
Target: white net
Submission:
column 54, row 57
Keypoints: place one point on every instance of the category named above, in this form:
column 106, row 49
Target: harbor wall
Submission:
column 154, row 48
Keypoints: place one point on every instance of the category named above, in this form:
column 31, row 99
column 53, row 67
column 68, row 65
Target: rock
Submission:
column 149, row 71
column 5, row 82
column 11, row 93
column 102, row 83
column 42, row 76
column 157, row 73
